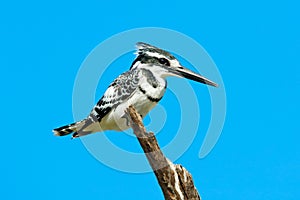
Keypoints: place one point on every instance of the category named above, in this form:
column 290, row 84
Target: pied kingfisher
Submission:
column 142, row 86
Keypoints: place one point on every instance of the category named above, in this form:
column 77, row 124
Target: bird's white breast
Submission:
column 116, row 119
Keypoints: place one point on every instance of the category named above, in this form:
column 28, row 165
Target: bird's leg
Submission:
column 127, row 118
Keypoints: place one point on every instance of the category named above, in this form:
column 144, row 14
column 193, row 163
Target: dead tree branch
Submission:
column 175, row 181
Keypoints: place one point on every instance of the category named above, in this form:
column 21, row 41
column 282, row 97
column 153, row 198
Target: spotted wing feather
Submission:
column 117, row 92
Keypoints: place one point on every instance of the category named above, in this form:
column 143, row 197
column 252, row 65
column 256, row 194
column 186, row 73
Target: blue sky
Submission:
column 255, row 45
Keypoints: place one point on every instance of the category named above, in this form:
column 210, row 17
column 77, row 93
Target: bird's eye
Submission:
column 164, row 61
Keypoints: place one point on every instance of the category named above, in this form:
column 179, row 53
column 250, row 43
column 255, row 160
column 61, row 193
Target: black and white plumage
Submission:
column 142, row 86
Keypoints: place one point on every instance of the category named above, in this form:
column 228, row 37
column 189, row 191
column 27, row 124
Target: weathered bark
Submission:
column 175, row 181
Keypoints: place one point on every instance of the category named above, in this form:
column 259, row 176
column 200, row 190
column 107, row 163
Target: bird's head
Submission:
column 164, row 64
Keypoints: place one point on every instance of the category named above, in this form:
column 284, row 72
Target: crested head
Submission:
column 147, row 49
column 162, row 64
column 151, row 55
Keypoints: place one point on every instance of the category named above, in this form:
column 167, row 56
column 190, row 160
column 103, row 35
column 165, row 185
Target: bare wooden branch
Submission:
column 175, row 181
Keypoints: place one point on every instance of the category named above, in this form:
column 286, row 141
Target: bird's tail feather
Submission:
column 68, row 129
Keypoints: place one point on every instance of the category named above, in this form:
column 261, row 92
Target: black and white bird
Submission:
column 142, row 86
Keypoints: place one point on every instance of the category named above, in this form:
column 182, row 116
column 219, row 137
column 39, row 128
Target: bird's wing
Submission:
column 117, row 92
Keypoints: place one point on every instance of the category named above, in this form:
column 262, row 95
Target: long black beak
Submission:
column 186, row 73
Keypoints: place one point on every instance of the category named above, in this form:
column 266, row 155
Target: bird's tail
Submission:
column 68, row 129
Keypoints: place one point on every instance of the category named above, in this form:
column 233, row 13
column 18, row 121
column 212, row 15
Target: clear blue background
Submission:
column 255, row 44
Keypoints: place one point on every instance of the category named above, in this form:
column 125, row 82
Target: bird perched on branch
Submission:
column 142, row 86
